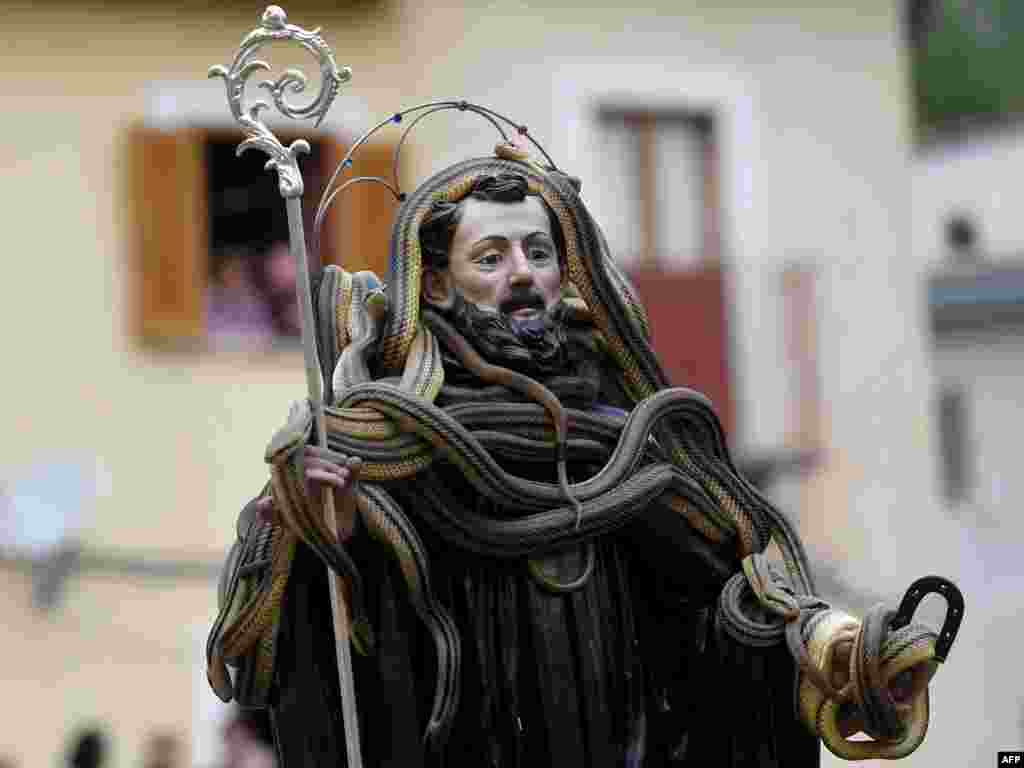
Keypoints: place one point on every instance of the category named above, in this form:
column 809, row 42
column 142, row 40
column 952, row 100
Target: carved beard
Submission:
column 536, row 346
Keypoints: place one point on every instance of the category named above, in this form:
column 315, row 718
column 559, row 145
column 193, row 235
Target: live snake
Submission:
column 382, row 356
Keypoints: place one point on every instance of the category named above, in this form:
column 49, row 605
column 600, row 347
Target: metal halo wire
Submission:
column 419, row 117
column 331, row 192
column 342, row 188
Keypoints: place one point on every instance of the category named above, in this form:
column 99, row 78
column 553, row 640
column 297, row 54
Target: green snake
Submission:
column 667, row 461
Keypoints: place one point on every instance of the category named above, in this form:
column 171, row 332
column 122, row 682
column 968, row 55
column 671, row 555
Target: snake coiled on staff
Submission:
column 666, row 461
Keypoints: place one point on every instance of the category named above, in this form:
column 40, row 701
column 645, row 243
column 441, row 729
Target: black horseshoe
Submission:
column 954, row 609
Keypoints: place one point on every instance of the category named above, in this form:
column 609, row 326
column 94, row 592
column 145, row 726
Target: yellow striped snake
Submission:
column 666, row 460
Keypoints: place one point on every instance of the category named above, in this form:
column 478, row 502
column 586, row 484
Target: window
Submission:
column 210, row 235
column 663, row 166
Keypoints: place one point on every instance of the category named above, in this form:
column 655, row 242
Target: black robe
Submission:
column 628, row 670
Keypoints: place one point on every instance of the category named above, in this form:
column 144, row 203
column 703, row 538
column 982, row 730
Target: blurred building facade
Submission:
column 971, row 238
column 825, row 333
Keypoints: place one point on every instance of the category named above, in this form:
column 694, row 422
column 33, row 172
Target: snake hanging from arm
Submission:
column 668, row 459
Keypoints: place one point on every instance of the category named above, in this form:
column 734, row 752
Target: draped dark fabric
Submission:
column 628, row 670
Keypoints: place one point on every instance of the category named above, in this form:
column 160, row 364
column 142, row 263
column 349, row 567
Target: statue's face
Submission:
column 502, row 259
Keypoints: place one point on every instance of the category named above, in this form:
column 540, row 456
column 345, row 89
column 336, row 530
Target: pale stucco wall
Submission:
column 978, row 176
column 816, row 169
column 182, row 437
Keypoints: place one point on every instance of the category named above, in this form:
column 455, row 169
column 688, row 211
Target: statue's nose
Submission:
column 521, row 273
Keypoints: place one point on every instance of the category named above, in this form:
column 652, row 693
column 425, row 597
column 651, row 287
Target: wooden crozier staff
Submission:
column 274, row 27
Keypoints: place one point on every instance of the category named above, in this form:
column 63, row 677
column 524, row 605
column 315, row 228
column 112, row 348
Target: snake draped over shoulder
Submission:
column 666, row 460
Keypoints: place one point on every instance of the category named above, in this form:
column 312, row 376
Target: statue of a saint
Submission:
column 539, row 540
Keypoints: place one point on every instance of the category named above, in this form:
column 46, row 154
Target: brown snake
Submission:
column 667, row 460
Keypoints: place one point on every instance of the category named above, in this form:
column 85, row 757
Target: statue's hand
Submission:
column 323, row 469
column 329, row 469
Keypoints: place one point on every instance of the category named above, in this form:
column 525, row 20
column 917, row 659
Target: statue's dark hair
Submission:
column 438, row 229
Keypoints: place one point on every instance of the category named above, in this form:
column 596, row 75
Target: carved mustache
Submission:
column 521, row 299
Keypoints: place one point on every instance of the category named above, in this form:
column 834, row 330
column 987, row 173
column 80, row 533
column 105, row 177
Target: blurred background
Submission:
column 817, row 202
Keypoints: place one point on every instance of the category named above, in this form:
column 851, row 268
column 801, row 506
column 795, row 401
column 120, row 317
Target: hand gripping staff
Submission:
column 274, row 27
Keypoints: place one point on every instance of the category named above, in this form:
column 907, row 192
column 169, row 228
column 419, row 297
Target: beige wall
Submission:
column 182, row 437
column 815, row 115
column 117, row 652
column 814, row 111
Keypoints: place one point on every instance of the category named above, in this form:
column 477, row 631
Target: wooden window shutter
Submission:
column 361, row 217
column 689, row 330
column 167, row 183
column 687, row 307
